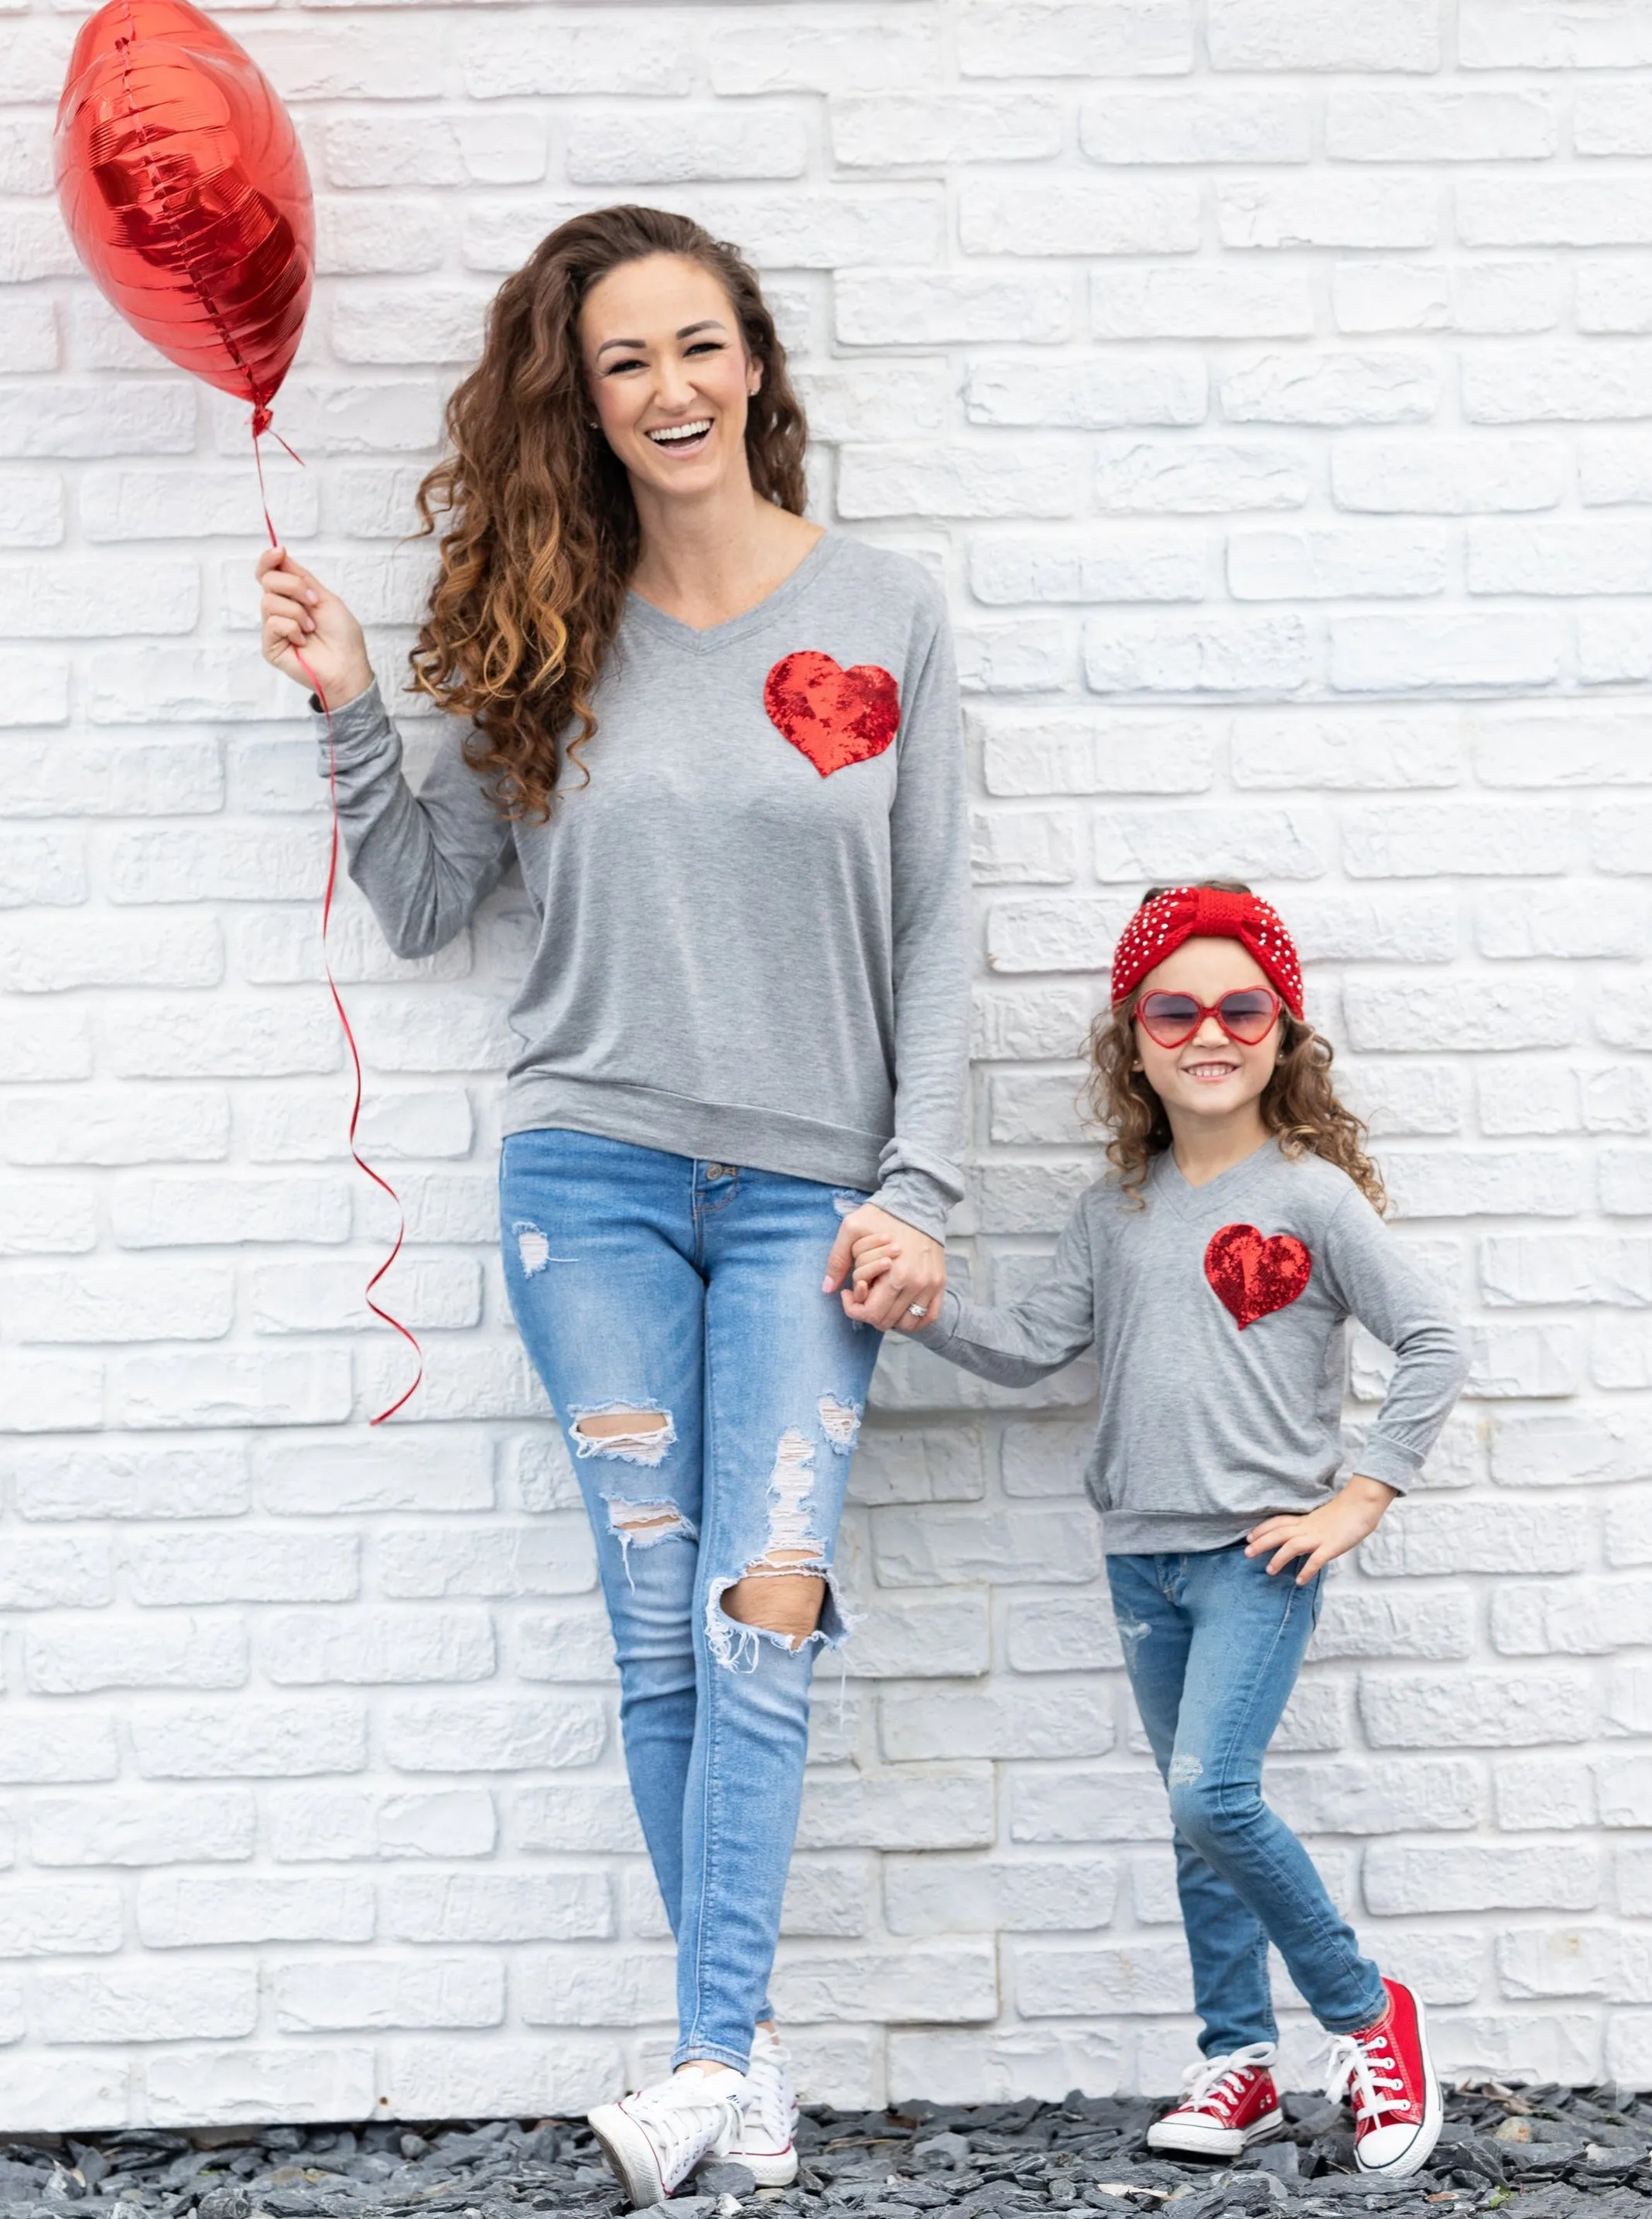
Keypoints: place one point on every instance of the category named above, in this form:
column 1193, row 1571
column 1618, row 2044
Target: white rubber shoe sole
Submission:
column 1167, row 2133
column 630, row 2154
column 768, row 2168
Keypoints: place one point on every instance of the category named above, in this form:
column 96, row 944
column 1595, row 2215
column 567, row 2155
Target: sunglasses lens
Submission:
column 1168, row 1018
column 1248, row 1016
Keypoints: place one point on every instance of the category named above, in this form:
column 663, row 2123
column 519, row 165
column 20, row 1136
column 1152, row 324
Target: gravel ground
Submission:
column 1553, row 2149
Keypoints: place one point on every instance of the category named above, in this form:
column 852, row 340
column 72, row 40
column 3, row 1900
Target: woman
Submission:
column 721, row 746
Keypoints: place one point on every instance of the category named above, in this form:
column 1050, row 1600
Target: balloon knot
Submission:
column 261, row 420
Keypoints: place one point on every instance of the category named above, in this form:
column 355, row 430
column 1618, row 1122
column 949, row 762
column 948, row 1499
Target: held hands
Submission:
column 300, row 613
column 893, row 1269
column 1330, row 1531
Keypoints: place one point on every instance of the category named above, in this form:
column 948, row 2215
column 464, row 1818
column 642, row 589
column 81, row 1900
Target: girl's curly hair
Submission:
column 539, row 535
column 1299, row 1105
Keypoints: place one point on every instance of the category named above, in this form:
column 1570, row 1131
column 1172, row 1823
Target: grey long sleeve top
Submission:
column 751, row 941
column 1217, row 1314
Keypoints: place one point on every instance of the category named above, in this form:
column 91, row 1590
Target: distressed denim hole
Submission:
column 618, row 1429
column 531, row 1246
column 795, row 1556
column 839, row 1422
column 644, row 1525
column 1184, row 1771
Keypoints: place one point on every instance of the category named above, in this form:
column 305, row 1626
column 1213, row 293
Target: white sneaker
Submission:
column 655, row 2138
column 765, row 2145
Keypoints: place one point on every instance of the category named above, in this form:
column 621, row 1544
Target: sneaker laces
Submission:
column 675, row 2114
column 1215, row 2083
column 769, row 2105
column 1357, row 2063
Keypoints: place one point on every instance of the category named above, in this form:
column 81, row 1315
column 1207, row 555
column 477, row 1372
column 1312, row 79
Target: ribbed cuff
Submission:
column 356, row 735
column 941, row 1328
column 916, row 1199
column 357, row 704
column 1387, row 1462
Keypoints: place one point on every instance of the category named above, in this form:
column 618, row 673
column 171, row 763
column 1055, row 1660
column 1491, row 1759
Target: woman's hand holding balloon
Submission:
column 301, row 617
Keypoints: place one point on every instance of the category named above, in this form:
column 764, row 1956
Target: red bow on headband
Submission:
column 1160, row 926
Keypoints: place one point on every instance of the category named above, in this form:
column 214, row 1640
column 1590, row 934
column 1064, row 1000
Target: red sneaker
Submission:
column 1227, row 2102
column 1388, row 2076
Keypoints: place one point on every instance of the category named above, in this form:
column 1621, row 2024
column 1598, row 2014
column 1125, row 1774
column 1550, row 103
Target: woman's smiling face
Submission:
column 669, row 376
column 1209, row 1075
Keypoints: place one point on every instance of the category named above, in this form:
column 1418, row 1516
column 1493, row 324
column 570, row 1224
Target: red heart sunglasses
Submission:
column 1247, row 1015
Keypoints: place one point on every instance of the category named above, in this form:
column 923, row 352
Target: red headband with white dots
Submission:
column 1180, row 913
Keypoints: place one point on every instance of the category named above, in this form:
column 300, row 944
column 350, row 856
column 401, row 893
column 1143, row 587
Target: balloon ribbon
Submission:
column 260, row 425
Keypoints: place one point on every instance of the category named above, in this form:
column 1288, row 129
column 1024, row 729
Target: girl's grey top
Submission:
column 1207, row 1425
column 736, row 956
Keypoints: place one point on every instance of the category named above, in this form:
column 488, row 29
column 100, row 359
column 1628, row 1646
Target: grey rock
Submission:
column 1314, row 2113
column 1545, row 2153
column 724, row 2176
column 1342, row 2187
column 230, row 2202
column 947, row 2148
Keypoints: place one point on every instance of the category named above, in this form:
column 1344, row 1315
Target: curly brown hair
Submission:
column 1299, row 1105
column 540, row 532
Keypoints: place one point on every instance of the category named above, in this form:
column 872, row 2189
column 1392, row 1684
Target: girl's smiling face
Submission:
column 668, row 373
column 1209, row 1076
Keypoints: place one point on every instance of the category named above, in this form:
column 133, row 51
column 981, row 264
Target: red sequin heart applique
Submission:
column 1252, row 1275
column 832, row 716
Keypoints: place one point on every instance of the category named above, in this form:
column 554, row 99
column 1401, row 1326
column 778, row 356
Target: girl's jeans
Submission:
column 651, row 1284
column 1213, row 1646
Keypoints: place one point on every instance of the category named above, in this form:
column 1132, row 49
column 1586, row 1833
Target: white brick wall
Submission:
column 1272, row 384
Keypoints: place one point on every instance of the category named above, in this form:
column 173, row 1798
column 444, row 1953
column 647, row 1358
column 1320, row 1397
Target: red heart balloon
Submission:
column 1252, row 1275
column 183, row 186
column 832, row 716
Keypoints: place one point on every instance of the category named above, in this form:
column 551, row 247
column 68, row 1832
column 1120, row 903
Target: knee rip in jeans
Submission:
column 1184, row 1771
column 792, row 1582
column 620, row 1429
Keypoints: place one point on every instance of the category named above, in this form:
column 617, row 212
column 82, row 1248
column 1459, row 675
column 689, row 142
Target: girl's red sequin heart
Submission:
column 834, row 717
column 1254, row 1275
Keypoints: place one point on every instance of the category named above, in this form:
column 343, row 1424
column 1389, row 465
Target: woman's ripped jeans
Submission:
column 711, row 1394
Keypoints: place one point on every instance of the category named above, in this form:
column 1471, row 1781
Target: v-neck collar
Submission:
column 1185, row 1200
column 692, row 639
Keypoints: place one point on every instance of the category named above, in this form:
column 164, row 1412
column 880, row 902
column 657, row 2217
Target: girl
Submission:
column 1213, row 1271
column 722, row 747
